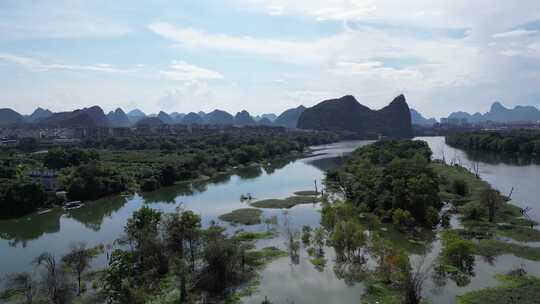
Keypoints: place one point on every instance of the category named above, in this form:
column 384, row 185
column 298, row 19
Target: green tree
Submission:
column 492, row 200
column 457, row 251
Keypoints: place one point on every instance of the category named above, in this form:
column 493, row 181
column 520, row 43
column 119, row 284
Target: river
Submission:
column 282, row 281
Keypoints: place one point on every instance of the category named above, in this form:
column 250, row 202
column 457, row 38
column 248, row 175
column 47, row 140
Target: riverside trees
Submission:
column 98, row 168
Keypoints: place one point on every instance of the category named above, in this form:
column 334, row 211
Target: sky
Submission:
column 268, row 55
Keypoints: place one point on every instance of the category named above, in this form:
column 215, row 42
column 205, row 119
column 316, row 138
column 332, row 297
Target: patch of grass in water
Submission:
column 514, row 289
column 521, row 234
column 244, row 216
column 494, row 248
column 285, row 203
column 261, row 257
column 319, row 263
column 307, row 193
column 248, row 236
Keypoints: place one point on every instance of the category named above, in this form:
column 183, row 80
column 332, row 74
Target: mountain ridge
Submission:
column 347, row 114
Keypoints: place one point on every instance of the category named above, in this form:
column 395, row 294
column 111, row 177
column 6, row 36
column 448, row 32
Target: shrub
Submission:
column 460, row 187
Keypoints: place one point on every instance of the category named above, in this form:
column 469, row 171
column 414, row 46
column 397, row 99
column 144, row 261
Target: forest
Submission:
column 526, row 142
column 94, row 169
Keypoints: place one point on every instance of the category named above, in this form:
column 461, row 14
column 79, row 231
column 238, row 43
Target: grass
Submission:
column 319, row 262
column 521, row 234
column 244, row 216
column 248, row 236
column 307, row 193
column 494, row 248
column 285, row 203
column 261, row 257
column 514, row 289
column 453, row 173
column 509, row 221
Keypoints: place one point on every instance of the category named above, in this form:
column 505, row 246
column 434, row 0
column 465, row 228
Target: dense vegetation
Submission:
column 392, row 179
column 394, row 186
column 519, row 141
column 94, row 169
column 163, row 258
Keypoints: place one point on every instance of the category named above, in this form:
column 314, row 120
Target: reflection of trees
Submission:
column 325, row 164
column 220, row 179
column 249, row 172
column 505, row 158
column 91, row 215
column 350, row 272
column 21, row 230
column 169, row 194
column 277, row 164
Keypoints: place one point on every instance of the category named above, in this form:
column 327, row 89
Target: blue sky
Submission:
column 268, row 55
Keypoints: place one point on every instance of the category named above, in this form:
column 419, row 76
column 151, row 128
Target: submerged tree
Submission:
column 78, row 261
column 54, row 281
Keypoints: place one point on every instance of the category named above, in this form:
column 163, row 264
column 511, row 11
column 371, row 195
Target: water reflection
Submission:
column 502, row 158
column 19, row 231
column 91, row 215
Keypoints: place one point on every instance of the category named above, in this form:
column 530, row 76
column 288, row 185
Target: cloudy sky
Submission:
column 268, row 55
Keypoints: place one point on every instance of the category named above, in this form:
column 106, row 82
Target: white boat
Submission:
column 73, row 205
column 40, row 212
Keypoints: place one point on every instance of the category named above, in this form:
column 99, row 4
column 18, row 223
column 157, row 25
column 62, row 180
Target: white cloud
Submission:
column 376, row 69
column 183, row 71
column 39, row 66
column 294, row 51
column 515, row 34
column 57, row 19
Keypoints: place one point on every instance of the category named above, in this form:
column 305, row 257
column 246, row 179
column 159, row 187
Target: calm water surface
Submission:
column 283, row 282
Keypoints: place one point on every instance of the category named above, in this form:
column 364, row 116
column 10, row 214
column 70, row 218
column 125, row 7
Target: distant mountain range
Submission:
column 8, row 117
column 499, row 113
column 419, row 120
column 88, row 117
column 347, row 114
column 290, row 117
column 38, row 114
column 344, row 113
column 118, row 118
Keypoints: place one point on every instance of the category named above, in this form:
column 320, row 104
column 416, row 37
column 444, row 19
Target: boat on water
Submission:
column 73, row 205
column 43, row 211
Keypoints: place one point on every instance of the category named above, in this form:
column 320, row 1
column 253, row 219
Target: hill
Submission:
column 244, row 118
column 418, row 119
column 165, row 118
column 118, row 118
column 149, row 122
column 38, row 114
column 87, row 117
column 219, row 117
column 289, row 118
column 192, row 119
column 9, row 116
column 136, row 115
column 347, row 114
column 177, row 117
column 265, row 122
